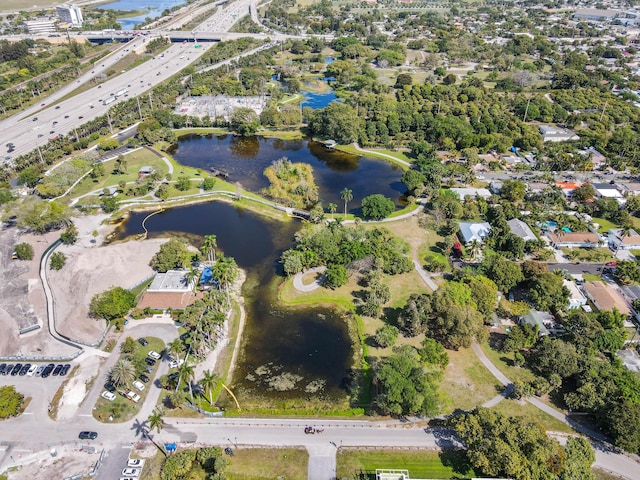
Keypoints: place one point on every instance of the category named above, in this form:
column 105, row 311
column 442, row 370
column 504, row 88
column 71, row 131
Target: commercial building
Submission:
column 42, row 26
column 70, row 14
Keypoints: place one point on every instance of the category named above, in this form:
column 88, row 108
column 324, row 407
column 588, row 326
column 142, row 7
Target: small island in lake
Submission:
column 291, row 183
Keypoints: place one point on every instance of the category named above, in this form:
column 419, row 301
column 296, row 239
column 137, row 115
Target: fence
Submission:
column 35, row 358
column 90, row 474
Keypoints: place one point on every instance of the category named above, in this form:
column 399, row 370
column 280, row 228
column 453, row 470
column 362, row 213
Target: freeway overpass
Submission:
column 174, row 36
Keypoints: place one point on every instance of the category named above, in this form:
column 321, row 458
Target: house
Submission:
column 560, row 239
column 618, row 241
column 495, row 186
column 171, row 290
column 594, row 156
column 471, row 192
column 522, row 230
column 576, row 297
column 555, row 134
column 606, row 190
column 110, row 191
column 470, row 231
column 629, row 188
column 604, row 297
column 567, row 187
column 543, row 321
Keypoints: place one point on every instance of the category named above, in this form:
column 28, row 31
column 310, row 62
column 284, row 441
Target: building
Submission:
column 522, row 230
column 42, row 26
column 606, row 190
column 594, row 156
column 171, row 290
column 595, row 14
column 576, row 298
column 543, row 321
column 567, row 187
column 145, row 171
column 471, row 192
column 70, row 14
column 604, row 297
column 618, row 241
column 474, row 231
column 560, row 239
column 555, row 134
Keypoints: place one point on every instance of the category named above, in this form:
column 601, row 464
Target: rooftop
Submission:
column 573, row 237
column 521, row 229
column 171, row 281
column 166, row 300
column 605, row 297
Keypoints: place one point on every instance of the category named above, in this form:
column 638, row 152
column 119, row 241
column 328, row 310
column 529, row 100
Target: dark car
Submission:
column 8, row 369
column 144, row 378
column 150, row 361
column 56, row 371
column 143, row 341
column 88, row 435
column 47, row 370
column 185, row 336
column 25, row 368
column 109, row 387
column 65, row 370
column 16, row 369
column 3, row 367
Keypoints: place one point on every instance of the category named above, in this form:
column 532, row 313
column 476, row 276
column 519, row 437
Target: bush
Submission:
column 112, row 304
column 335, row 276
column 377, row 207
column 386, row 336
column 58, row 259
column 24, row 251
column 10, row 401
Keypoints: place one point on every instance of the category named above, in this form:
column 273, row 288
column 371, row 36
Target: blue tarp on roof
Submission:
column 206, row 276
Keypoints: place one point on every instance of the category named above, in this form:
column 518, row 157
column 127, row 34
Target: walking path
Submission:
column 395, row 159
column 425, row 277
column 297, row 279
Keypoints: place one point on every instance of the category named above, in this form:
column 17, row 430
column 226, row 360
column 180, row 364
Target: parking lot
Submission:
column 41, row 390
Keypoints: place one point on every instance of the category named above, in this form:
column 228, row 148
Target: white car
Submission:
column 175, row 363
column 32, row 370
column 133, row 396
column 154, row 355
column 138, row 385
column 135, row 462
column 108, row 396
column 131, row 472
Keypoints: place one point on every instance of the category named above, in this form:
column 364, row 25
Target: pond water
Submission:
column 317, row 100
column 153, row 9
column 286, row 354
column 245, row 158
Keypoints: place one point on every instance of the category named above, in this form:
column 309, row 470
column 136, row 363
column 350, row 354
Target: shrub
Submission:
column 57, row 261
column 24, row 251
column 10, row 401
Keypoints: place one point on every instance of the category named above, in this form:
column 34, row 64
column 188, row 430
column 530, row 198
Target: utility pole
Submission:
column 109, row 120
column 604, row 109
column 526, row 110
column 139, row 110
column 150, row 101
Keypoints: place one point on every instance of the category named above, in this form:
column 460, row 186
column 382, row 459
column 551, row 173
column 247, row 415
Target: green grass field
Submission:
column 513, row 408
column 605, row 225
column 421, row 464
column 267, row 464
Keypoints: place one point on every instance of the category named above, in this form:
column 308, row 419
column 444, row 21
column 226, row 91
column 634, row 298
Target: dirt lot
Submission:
column 89, row 269
column 65, row 464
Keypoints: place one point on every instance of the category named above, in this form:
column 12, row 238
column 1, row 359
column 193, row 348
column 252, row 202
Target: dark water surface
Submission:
column 245, row 158
column 287, row 354
column 153, row 8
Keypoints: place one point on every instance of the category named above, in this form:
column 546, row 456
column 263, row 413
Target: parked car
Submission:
column 135, row 462
column 176, row 363
column 56, row 371
column 149, row 368
column 143, row 341
column 109, row 387
column 133, row 472
column 133, row 396
column 47, row 370
column 32, row 370
column 138, row 385
column 150, row 361
column 65, row 370
column 154, row 355
column 611, row 264
column 16, row 369
column 108, row 396
column 8, row 369
column 144, row 378
column 25, row 368
column 3, row 367
column 40, row 370
column 86, row 435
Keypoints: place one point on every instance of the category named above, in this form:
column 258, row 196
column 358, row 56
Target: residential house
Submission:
column 594, row 156
column 471, row 192
column 543, row 321
column 470, row 231
column 629, row 188
column 618, row 241
column 522, row 230
column 604, row 297
column 567, row 187
column 555, row 134
column 560, row 239
column 607, row 190
column 576, row 297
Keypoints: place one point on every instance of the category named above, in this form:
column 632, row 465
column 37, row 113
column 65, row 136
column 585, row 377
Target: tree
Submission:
column 111, row 304
column 580, row 458
column 346, row 195
column 208, row 184
column 24, row 251
column 57, row 261
column 208, row 247
column 128, row 346
column 547, row 292
column 209, row 382
column 245, row 121
column 555, row 356
column 386, row 336
column 513, row 190
column 584, row 193
column 186, row 374
column 109, row 204
column 433, row 354
column 156, row 419
column 335, row 276
column 404, row 79
column 338, row 121
column 332, row 208
column 183, row 183
column 70, row 235
column 172, row 254
column 225, row 271
column 505, row 273
column 122, row 373
column 10, row 401
column 377, row 207
column 621, row 420
column 178, row 465
column 414, row 181
column 484, row 293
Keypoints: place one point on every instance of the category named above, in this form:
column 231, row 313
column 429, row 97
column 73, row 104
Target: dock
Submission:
column 219, row 173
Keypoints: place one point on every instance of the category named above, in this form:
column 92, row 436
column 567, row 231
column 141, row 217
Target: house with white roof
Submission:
column 471, row 193
column 576, row 297
column 522, row 230
column 470, row 231
column 606, row 190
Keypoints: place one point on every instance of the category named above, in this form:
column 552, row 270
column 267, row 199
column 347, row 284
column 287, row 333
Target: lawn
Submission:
column 421, row 464
column 593, row 255
column 467, row 383
column 123, row 409
column 605, row 225
column 135, row 160
column 373, row 153
column 504, row 363
column 592, row 277
column 515, row 408
column 602, row 475
column 267, row 464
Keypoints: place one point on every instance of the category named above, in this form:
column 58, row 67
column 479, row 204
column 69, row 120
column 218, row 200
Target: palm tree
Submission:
column 225, row 270
column 156, row 419
column 191, row 276
column 332, row 208
column 186, row 374
column 209, row 382
column 346, row 195
column 175, row 348
column 122, row 373
column 208, row 248
column 176, row 398
column 474, row 248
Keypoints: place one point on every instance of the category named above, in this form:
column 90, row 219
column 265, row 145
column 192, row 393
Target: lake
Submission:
column 286, row 354
column 245, row 158
column 153, row 9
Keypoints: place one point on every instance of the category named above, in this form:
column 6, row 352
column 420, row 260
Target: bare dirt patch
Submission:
column 65, row 464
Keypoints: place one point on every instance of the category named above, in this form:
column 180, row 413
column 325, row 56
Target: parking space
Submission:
column 41, row 390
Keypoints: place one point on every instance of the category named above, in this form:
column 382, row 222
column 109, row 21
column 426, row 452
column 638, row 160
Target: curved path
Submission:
column 386, row 155
column 297, row 279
